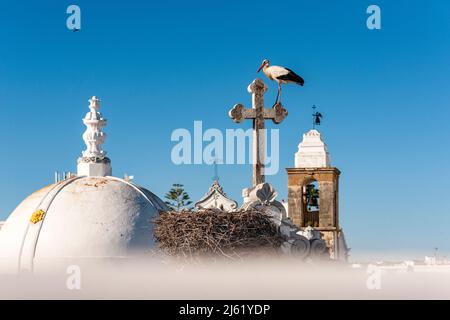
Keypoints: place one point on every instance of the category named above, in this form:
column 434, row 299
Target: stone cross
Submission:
column 258, row 113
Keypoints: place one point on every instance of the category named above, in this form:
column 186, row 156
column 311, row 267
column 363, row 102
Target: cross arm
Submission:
column 277, row 113
column 239, row 113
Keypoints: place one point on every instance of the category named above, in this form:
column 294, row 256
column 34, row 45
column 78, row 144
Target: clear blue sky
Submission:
column 158, row 66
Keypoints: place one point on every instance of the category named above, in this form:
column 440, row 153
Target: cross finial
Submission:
column 258, row 114
column 216, row 170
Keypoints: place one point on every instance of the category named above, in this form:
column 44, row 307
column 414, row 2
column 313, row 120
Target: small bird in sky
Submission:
column 281, row 75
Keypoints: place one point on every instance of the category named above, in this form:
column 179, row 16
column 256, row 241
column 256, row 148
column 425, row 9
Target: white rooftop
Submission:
column 312, row 151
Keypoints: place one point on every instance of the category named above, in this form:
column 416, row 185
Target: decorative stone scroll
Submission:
column 215, row 198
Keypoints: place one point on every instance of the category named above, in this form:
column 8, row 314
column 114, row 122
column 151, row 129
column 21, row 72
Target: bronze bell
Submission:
column 312, row 201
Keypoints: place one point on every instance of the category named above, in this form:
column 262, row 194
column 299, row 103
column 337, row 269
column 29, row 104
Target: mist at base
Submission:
column 257, row 278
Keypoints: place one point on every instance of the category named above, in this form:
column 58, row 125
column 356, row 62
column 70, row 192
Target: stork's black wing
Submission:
column 292, row 76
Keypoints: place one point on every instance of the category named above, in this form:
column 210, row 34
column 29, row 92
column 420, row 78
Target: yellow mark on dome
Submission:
column 37, row 216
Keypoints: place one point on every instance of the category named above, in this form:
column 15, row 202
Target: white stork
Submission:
column 281, row 75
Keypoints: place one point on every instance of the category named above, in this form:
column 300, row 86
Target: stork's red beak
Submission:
column 259, row 69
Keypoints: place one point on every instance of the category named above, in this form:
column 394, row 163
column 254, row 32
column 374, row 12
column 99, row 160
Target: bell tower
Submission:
column 313, row 193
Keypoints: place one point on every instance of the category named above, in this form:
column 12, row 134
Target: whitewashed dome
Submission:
column 92, row 215
column 83, row 217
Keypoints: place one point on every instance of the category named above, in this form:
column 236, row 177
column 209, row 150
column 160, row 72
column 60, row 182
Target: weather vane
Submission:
column 317, row 116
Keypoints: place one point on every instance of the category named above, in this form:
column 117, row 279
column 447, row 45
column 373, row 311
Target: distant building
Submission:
column 430, row 260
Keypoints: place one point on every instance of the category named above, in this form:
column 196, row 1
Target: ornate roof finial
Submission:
column 94, row 161
column 94, row 137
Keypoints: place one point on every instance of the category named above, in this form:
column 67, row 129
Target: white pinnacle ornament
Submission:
column 94, row 161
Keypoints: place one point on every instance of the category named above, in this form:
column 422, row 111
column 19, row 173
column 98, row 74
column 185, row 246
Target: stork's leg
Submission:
column 279, row 93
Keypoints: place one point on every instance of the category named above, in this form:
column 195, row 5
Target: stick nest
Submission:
column 213, row 232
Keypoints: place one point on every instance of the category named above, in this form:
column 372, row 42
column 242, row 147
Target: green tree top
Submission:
column 177, row 198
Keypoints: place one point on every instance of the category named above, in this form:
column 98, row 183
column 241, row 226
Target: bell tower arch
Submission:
column 310, row 205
